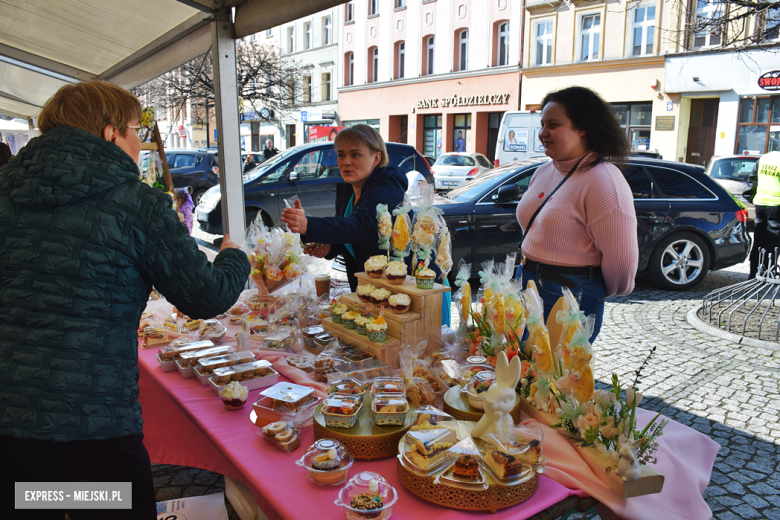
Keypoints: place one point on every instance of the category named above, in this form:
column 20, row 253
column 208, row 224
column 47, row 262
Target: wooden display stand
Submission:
column 156, row 144
column 421, row 322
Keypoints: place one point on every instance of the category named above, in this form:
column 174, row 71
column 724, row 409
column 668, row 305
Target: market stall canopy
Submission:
column 45, row 44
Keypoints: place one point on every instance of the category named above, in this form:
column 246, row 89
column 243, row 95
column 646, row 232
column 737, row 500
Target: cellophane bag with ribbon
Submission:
column 384, row 226
column 401, row 242
column 537, row 348
column 443, row 249
column 575, row 351
column 462, row 297
column 425, row 227
column 275, row 256
column 418, row 391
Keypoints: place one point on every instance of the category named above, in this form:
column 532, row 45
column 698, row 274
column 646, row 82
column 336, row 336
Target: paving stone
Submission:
column 207, row 479
column 182, row 480
column 755, row 501
column 773, row 499
column 735, row 488
column 729, row 502
column 763, row 489
column 745, row 511
column 719, row 478
column 167, row 493
column 772, row 514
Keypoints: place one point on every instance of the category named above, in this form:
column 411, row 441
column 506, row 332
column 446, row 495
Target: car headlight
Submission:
column 209, row 200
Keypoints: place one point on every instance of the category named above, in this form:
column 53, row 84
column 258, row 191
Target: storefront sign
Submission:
column 316, row 114
column 463, row 101
column 663, row 123
column 770, row 80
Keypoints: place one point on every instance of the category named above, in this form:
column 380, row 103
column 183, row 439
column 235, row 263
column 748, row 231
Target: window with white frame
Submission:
column 373, row 8
column 590, row 36
column 374, row 64
column 502, row 46
column 349, row 12
column 400, row 3
column 307, row 35
column 326, row 86
column 709, row 33
column 463, row 50
column 291, row 40
column 642, row 30
column 268, row 33
column 401, row 59
column 307, row 89
column 429, row 49
column 326, row 30
column 543, row 41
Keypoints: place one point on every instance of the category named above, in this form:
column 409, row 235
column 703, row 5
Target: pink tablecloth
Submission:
column 185, row 423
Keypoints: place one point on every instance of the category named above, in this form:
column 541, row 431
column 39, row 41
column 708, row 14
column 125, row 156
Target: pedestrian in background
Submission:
column 249, row 164
column 81, row 245
column 5, row 154
column 269, row 151
column 185, row 205
column 584, row 237
column 763, row 190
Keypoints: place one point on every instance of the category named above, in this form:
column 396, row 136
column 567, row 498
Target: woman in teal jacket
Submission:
column 82, row 242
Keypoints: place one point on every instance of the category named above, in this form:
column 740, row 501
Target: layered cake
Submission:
column 396, row 272
column 380, row 296
column 364, row 292
column 466, row 467
column 428, row 448
column 503, row 464
column 375, row 266
column 400, row 303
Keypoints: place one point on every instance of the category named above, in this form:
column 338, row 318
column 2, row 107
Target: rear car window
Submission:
column 736, row 169
column 455, row 160
column 675, row 184
column 638, row 181
column 185, row 160
column 406, row 162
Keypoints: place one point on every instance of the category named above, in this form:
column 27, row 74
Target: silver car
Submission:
column 731, row 172
column 453, row 169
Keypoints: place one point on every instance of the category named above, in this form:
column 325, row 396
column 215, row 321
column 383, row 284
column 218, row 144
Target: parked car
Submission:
column 309, row 171
column 257, row 157
column 647, row 154
column 431, row 160
column 731, row 172
column 196, row 169
column 687, row 224
column 454, row 168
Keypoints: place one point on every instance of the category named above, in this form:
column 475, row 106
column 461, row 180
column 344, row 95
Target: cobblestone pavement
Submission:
column 727, row 391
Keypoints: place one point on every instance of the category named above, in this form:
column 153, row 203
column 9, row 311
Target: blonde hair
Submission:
column 366, row 135
column 90, row 106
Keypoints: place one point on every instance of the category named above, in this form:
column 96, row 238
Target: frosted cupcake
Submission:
column 348, row 319
column 375, row 266
column 400, row 303
column 425, row 279
column 337, row 312
column 396, row 272
column 380, row 296
column 364, row 292
column 377, row 330
column 360, row 325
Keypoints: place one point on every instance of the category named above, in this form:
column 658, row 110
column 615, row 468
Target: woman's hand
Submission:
column 318, row 250
column 295, row 218
column 228, row 244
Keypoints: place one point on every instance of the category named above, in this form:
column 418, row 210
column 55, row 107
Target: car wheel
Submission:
column 197, row 196
column 679, row 262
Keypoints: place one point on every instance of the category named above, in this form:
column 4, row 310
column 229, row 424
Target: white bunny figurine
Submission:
column 500, row 400
column 628, row 466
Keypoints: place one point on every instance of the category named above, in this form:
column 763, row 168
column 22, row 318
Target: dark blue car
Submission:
column 309, row 171
column 687, row 224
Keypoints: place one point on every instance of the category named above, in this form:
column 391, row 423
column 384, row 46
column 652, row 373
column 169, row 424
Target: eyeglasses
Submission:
column 142, row 131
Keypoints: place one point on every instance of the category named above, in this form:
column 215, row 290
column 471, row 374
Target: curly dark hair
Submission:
column 589, row 112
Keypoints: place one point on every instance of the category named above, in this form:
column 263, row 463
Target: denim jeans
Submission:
column 589, row 291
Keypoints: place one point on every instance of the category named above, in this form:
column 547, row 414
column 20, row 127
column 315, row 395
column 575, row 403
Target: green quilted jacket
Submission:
column 82, row 241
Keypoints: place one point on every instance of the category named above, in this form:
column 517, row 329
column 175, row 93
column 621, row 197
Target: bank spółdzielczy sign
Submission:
column 463, row 101
column 770, row 80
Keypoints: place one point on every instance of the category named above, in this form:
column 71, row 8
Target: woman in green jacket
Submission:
column 82, row 242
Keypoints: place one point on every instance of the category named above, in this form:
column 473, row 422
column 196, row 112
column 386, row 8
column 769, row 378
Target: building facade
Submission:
column 434, row 74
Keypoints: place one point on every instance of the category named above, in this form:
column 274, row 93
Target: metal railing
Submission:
column 750, row 296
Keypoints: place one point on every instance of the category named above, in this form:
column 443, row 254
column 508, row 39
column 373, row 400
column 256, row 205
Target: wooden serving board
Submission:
column 603, row 466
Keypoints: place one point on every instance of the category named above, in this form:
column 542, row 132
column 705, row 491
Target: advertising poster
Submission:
column 538, row 146
column 319, row 134
column 516, row 140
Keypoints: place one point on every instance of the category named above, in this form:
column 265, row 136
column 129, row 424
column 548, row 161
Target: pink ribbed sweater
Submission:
column 589, row 221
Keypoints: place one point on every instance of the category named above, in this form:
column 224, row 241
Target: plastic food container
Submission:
column 471, row 367
column 427, row 450
column 389, row 409
column 366, row 496
column 348, row 386
column 233, row 397
column 310, row 334
column 253, row 375
column 266, row 413
column 239, row 312
column 288, row 395
column 167, row 354
column 206, row 366
column 341, row 411
column 327, row 463
column 478, row 387
column 388, row 385
column 463, row 468
column 524, row 444
column 187, row 362
column 431, row 418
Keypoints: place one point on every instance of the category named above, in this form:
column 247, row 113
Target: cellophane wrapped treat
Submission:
column 384, row 227
column 418, row 391
column 575, row 352
column 425, row 226
column 173, row 352
column 515, row 317
column 401, row 242
column 463, row 467
column 242, row 372
column 285, row 434
column 275, row 256
column 515, row 457
column 462, row 297
column 443, row 249
column 191, row 358
column 537, row 347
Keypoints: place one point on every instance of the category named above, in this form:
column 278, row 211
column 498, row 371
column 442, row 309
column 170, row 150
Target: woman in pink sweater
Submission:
column 584, row 237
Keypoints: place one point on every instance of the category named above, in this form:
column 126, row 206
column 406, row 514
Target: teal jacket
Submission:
column 82, row 241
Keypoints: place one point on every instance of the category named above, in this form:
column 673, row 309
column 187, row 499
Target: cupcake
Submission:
column 348, row 319
column 425, row 279
column 375, row 266
column 234, row 395
column 337, row 312
column 364, row 292
column 396, row 273
column 377, row 330
column 400, row 303
column 380, row 296
column 360, row 325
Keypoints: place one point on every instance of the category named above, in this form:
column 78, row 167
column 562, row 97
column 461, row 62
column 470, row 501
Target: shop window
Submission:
column 589, row 37
column 461, row 133
column 400, row 60
column 326, row 30
column 757, row 131
column 502, row 44
column 307, row 35
column 462, row 50
column 642, row 37
column 709, row 34
column 349, row 12
column 635, row 119
column 325, row 86
column 432, row 138
column 543, row 42
column 349, row 69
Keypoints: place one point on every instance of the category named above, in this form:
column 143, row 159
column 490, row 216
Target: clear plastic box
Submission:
column 327, row 462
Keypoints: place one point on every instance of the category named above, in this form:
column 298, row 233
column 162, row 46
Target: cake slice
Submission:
column 466, row 468
column 427, row 448
column 503, row 464
column 527, row 452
